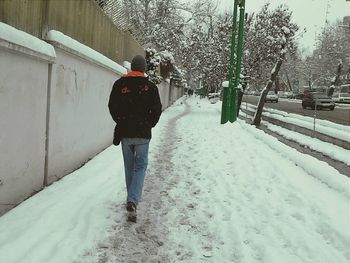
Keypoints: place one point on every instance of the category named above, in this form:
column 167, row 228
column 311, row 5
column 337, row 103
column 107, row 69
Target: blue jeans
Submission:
column 135, row 154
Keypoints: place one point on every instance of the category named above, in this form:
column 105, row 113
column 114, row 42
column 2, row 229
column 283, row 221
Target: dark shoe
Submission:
column 130, row 207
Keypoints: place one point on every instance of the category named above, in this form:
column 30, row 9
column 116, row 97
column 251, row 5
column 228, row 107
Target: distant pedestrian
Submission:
column 135, row 106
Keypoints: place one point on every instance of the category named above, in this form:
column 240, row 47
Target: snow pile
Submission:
column 341, row 134
column 320, row 170
column 58, row 223
column 333, row 151
column 213, row 193
column 18, row 37
column 323, row 171
column 326, row 127
column 342, row 105
column 56, row 36
column 321, row 122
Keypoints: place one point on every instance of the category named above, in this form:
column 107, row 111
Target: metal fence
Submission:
column 99, row 24
column 115, row 10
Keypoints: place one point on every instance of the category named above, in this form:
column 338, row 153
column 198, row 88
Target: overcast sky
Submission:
column 309, row 14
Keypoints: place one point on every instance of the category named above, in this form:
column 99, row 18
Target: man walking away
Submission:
column 135, row 106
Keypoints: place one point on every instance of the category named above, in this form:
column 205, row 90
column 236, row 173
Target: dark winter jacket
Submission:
column 134, row 105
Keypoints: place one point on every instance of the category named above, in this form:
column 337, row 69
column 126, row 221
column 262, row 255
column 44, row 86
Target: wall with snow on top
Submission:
column 54, row 98
column 80, row 125
column 24, row 65
column 54, row 113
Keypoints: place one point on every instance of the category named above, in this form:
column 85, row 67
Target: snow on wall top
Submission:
column 21, row 38
column 127, row 65
column 86, row 51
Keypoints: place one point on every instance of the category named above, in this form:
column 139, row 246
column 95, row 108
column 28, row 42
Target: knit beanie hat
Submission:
column 138, row 63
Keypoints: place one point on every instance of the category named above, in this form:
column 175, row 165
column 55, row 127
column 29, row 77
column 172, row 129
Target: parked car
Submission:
column 318, row 100
column 297, row 96
column 285, row 94
column 271, row 96
column 214, row 97
column 341, row 97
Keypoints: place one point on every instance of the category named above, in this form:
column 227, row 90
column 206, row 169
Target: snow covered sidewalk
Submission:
column 213, row 193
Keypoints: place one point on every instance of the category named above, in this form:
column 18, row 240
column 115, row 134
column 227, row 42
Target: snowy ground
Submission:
column 213, row 193
column 326, row 127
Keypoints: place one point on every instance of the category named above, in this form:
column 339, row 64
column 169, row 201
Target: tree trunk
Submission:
column 288, row 82
column 335, row 79
column 258, row 113
column 240, row 97
column 240, row 94
column 338, row 73
column 277, row 84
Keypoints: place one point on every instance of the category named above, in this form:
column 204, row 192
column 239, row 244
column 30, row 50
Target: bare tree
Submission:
column 332, row 47
column 286, row 38
column 263, row 42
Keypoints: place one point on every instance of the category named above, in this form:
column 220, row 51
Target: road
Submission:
column 339, row 115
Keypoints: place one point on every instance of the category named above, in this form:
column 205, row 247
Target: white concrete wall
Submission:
column 175, row 93
column 80, row 124
column 23, row 87
column 164, row 89
column 60, row 107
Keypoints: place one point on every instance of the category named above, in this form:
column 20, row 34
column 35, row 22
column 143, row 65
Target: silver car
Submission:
column 271, row 96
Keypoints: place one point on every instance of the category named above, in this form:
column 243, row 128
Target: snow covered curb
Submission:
column 304, row 120
column 12, row 38
column 333, row 151
column 67, row 43
column 339, row 134
column 342, row 106
column 330, row 131
column 320, row 170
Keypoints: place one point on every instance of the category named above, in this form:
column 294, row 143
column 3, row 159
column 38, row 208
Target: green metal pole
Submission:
column 240, row 42
column 227, row 101
column 234, row 94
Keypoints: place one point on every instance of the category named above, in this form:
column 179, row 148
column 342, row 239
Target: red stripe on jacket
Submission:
column 134, row 74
